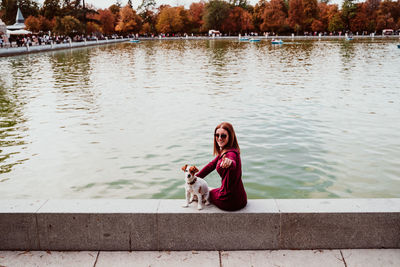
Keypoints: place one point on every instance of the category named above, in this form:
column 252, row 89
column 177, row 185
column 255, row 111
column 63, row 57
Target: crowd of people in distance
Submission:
column 34, row 39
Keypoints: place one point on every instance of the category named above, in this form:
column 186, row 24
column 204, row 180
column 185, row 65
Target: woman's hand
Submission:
column 225, row 163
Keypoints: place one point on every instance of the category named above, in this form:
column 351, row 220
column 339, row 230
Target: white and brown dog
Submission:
column 195, row 186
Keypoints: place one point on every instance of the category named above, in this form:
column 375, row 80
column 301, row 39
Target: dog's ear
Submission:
column 184, row 167
column 194, row 169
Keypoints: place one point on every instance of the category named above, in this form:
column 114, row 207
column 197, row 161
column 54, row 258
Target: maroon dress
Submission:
column 231, row 195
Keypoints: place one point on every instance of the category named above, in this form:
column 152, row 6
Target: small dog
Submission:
column 195, row 186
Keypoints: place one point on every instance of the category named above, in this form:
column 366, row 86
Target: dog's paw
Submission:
column 185, row 206
column 207, row 203
column 199, row 208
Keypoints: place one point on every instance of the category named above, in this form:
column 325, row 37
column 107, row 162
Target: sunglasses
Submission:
column 223, row 136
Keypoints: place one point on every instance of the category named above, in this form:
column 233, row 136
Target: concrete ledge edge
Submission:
column 163, row 224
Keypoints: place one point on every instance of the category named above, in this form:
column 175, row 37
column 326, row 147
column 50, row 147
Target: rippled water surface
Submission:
column 314, row 119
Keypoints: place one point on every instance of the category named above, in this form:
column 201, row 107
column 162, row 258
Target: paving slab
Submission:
column 159, row 259
column 371, row 257
column 283, row 258
column 47, row 258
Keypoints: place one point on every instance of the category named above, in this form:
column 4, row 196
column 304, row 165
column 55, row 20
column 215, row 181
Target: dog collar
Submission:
column 194, row 180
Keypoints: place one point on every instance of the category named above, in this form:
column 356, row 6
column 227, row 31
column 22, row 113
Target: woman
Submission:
column 231, row 195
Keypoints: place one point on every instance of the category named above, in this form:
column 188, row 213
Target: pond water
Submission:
column 314, row 119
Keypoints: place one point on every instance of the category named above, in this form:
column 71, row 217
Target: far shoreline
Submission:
column 13, row 51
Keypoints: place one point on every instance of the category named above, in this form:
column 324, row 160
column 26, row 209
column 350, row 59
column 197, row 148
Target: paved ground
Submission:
column 282, row 258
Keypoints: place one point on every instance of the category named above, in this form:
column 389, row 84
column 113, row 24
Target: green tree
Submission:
column 336, row 23
column 68, row 25
column 349, row 9
column 51, row 8
column 216, row 11
column 9, row 8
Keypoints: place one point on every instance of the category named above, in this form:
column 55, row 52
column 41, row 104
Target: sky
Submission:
column 136, row 3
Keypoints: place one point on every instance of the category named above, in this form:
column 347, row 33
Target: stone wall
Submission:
column 150, row 224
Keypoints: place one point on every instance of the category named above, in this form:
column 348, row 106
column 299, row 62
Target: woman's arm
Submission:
column 228, row 159
column 208, row 168
column 229, row 178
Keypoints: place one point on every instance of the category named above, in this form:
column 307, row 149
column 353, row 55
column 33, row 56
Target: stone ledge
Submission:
column 12, row 51
column 151, row 224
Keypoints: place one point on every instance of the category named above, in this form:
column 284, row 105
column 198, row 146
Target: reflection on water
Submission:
column 314, row 118
column 12, row 127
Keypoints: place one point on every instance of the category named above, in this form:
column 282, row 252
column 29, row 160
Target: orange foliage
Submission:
column 238, row 20
column 32, row 24
column 326, row 13
column 274, row 16
column 360, row 22
column 107, row 20
column 129, row 21
column 172, row 20
column 296, row 15
column 196, row 12
column 317, row 26
column 146, row 28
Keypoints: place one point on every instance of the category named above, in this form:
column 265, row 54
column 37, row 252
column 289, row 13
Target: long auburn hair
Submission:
column 232, row 142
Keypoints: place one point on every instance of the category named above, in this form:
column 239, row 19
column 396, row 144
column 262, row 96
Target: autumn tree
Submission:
column 258, row 14
column 372, row 6
column 45, row 24
column 310, row 9
column 172, row 20
column 129, row 21
column 326, row 13
column 317, row 26
column 238, row 21
column 360, row 21
column 32, row 24
column 196, row 13
column 216, row 12
column 296, row 15
column 385, row 18
column 146, row 12
column 106, row 20
column 115, row 9
column 93, row 27
column 275, row 17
